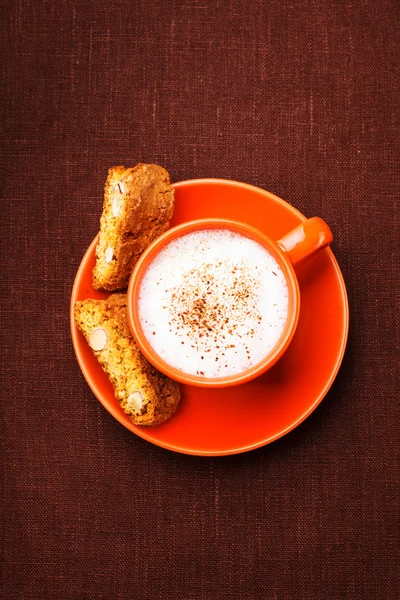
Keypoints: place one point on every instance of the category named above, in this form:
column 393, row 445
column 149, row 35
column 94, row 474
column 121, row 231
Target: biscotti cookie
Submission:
column 138, row 205
column 148, row 396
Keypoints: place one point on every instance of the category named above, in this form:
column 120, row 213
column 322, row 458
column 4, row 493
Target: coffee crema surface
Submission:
column 213, row 303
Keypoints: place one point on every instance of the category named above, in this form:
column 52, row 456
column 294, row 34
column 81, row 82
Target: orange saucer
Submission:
column 217, row 422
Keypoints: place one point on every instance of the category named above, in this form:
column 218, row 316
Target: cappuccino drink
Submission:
column 213, row 303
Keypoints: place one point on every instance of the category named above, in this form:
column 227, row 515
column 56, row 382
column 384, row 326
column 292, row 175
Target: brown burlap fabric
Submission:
column 300, row 98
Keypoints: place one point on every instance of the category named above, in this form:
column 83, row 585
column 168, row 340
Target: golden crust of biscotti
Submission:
column 138, row 205
column 145, row 394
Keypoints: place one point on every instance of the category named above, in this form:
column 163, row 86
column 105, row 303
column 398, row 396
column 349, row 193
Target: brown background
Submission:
column 298, row 97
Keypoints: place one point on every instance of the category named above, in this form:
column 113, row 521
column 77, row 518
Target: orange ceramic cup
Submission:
column 300, row 243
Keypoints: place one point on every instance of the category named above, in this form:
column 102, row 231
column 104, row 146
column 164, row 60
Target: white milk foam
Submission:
column 213, row 303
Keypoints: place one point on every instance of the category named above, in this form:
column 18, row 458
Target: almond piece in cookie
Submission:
column 138, row 205
column 145, row 394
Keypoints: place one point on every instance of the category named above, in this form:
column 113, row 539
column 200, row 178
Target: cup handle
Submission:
column 305, row 240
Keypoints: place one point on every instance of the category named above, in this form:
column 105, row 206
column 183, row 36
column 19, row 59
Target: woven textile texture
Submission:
column 298, row 97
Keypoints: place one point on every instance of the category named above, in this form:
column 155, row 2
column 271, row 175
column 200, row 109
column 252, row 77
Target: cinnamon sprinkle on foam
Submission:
column 222, row 293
